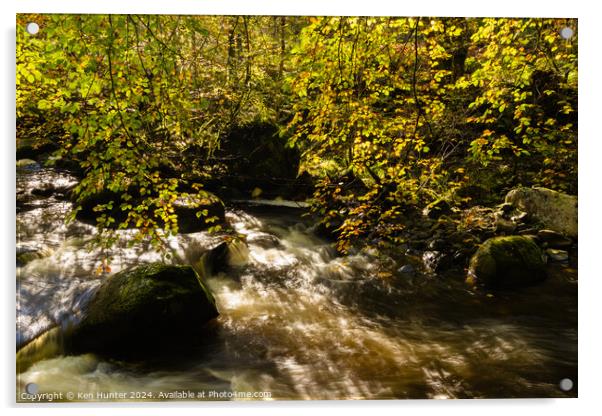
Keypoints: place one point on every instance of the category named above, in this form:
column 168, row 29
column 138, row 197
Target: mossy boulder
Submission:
column 142, row 310
column 507, row 263
column 555, row 210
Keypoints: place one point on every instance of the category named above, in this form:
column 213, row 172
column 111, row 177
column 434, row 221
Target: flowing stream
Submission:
column 296, row 321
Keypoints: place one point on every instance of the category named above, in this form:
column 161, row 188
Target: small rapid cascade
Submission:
column 296, row 319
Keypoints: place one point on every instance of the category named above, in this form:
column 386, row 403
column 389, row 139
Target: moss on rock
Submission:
column 144, row 309
column 507, row 263
column 555, row 210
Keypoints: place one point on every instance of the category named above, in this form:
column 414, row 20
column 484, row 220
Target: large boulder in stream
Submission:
column 507, row 263
column 150, row 308
column 554, row 210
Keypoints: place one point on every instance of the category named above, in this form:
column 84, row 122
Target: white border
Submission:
column 590, row 157
column 508, row 8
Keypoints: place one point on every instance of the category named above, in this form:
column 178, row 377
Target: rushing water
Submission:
column 296, row 321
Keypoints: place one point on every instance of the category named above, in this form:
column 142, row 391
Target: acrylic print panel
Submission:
column 287, row 208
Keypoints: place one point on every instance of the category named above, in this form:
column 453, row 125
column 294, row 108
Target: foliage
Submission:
column 128, row 96
column 392, row 114
column 413, row 110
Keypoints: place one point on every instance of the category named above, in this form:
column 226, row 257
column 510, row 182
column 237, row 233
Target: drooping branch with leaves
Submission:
column 392, row 115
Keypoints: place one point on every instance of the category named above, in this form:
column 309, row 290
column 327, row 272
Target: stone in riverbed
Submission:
column 232, row 253
column 407, row 270
column 502, row 225
column 507, row 263
column 554, row 239
column 437, row 208
column 142, row 310
column 560, row 256
column 27, row 164
column 435, row 261
column 28, row 256
column 555, row 210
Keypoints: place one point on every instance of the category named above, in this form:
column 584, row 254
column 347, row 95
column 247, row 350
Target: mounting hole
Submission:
column 31, row 388
column 32, row 28
column 566, row 33
column 566, row 384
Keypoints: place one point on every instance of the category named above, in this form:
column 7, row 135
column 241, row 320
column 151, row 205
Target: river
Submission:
column 296, row 320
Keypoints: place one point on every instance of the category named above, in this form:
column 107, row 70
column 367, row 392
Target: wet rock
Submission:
column 28, row 255
column 559, row 256
column 50, row 189
column 266, row 241
column 532, row 237
column 519, row 216
column 437, row 208
column 144, row 310
column 186, row 208
column 554, row 239
column 214, row 260
column 435, row 261
column 555, row 210
column 507, row 263
column 27, row 164
column 407, row 269
column 505, row 207
column 502, row 225
column 525, row 230
column 227, row 254
column 437, row 244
